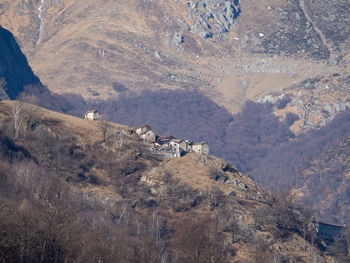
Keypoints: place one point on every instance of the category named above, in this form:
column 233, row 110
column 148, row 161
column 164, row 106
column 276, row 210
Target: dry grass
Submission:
column 192, row 170
column 68, row 59
column 88, row 130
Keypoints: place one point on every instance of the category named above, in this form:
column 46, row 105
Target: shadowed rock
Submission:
column 15, row 73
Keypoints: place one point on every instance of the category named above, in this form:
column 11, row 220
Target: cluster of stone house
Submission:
column 170, row 146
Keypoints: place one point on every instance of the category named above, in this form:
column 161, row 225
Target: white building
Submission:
column 175, row 147
column 92, row 115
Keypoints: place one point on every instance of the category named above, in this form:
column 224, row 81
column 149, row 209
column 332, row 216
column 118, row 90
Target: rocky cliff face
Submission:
column 15, row 72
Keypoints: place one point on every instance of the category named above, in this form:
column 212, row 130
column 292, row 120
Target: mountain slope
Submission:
column 91, row 189
column 124, row 57
column 231, row 54
column 15, row 73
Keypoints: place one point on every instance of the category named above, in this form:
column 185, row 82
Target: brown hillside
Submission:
column 93, row 49
column 123, row 184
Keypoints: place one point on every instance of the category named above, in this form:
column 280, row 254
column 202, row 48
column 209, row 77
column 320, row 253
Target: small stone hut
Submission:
column 201, row 148
column 146, row 133
column 92, row 115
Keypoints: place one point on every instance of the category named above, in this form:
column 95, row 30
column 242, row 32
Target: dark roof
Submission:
column 330, row 225
column 330, row 232
column 91, row 111
column 144, row 126
column 166, row 139
column 150, row 130
column 177, row 140
column 199, row 143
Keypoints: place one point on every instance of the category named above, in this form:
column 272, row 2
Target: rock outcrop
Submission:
column 213, row 17
column 311, row 101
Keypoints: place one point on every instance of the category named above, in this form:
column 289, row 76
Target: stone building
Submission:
column 142, row 129
column 145, row 132
column 175, row 146
column 165, row 140
column 181, row 144
column 332, row 235
column 200, row 147
column 148, row 136
column 92, row 115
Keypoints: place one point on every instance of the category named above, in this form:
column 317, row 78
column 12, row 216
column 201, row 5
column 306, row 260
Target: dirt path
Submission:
column 332, row 56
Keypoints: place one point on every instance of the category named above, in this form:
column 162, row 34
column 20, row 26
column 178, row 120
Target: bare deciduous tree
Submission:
column 199, row 241
column 347, row 238
column 120, row 139
column 104, row 127
column 24, row 174
column 21, row 115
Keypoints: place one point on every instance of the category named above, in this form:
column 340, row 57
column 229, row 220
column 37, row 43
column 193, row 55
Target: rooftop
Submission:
column 91, row 111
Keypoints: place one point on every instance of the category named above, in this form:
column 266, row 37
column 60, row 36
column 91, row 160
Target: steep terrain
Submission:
column 259, row 140
column 165, row 62
column 315, row 166
column 15, row 73
column 229, row 50
column 89, row 191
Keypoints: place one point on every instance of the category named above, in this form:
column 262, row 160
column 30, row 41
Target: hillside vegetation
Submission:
column 75, row 190
column 141, row 61
column 257, row 141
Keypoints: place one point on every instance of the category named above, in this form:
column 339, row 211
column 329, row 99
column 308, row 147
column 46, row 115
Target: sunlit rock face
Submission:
column 213, row 17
